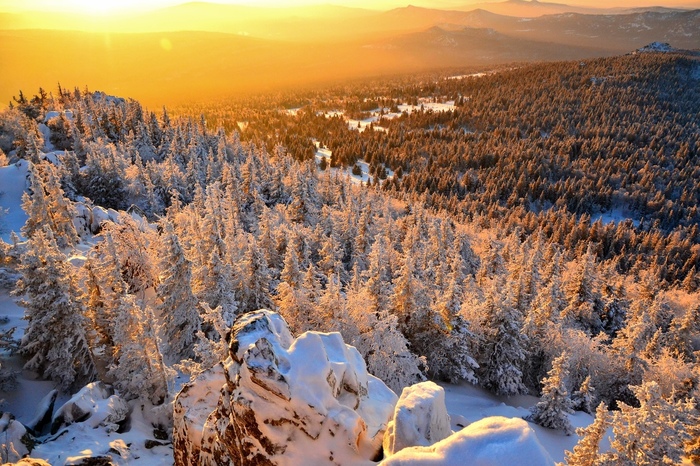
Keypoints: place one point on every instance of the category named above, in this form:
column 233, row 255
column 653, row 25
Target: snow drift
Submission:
column 493, row 441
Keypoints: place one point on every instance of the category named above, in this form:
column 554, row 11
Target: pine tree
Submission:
column 54, row 341
column 178, row 307
column 447, row 342
column 554, row 407
column 587, row 450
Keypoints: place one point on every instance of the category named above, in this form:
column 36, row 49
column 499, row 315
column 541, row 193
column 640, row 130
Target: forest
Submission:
column 477, row 260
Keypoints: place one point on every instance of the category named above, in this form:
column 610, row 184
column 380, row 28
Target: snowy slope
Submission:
column 13, row 182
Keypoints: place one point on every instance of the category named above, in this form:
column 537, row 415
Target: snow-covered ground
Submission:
column 364, row 177
column 614, row 216
column 12, row 185
column 467, row 403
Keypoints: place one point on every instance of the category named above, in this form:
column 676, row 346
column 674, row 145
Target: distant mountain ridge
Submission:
column 233, row 49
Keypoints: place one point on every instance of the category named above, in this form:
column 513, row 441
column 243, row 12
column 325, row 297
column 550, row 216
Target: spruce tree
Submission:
column 178, row 307
column 554, row 407
column 587, row 450
column 54, row 341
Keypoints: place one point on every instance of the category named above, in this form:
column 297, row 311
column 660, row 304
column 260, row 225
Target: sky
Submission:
column 100, row 7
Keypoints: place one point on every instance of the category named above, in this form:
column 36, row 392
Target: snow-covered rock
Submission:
column 493, row 441
column 420, row 418
column 96, row 405
column 42, row 416
column 31, row 462
column 16, row 442
column 191, row 409
column 287, row 402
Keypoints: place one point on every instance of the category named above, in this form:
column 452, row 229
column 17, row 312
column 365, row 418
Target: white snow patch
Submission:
column 493, row 441
column 13, row 183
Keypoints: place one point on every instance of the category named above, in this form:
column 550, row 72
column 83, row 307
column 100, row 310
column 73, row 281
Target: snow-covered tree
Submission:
column 554, row 407
column 138, row 370
column 502, row 354
column 584, row 398
column 54, row 342
column 652, row 434
column 382, row 345
column 587, row 450
column 178, row 307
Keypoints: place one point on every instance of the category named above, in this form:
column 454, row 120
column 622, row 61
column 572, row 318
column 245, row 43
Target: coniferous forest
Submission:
column 532, row 230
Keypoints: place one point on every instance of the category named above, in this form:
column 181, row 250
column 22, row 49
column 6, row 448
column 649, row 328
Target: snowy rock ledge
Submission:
column 493, row 441
column 420, row 418
column 284, row 402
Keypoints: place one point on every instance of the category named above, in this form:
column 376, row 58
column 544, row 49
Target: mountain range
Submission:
column 225, row 49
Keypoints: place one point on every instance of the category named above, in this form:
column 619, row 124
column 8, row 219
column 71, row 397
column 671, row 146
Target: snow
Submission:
column 467, row 404
column 493, row 441
column 13, row 182
column 614, row 216
column 364, row 177
column 425, row 104
column 81, row 439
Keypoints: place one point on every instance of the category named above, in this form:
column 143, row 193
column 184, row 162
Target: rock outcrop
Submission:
column 420, row 418
column 284, row 402
column 493, row 441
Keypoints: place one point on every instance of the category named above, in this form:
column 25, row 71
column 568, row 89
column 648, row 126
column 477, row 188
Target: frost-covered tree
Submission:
column 652, row 434
column 254, row 279
column 178, row 307
column 584, row 398
column 447, row 342
column 587, row 450
column 382, row 345
column 554, row 407
column 502, row 354
column 54, row 342
column 138, row 370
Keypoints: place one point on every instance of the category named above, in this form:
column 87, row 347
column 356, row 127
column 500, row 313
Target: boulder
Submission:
column 95, row 404
column 493, row 441
column 14, row 439
column 420, row 418
column 285, row 401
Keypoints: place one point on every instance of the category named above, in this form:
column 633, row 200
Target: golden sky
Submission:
column 125, row 6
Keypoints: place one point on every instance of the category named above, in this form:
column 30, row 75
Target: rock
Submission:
column 420, row 418
column 31, row 462
column 42, row 416
column 192, row 406
column 160, row 434
column 89, row 461
column 119, row 447
column 14, row 439
column 95, row 404
column 493, row 441
column 148, row 444
column 283, row 401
